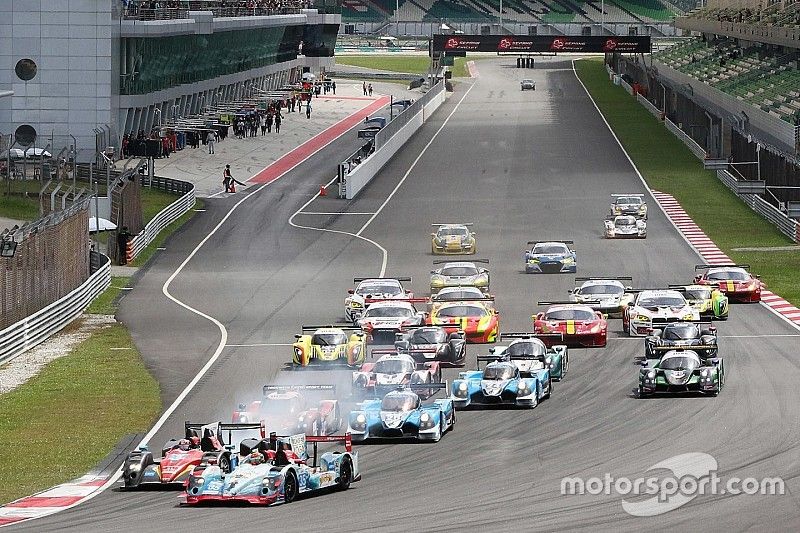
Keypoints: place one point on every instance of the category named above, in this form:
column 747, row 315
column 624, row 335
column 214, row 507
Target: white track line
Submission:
column 335, row 213
column 650, row 192
column 257, row 345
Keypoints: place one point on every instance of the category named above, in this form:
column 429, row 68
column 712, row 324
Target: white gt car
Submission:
column 625, row 226
column 663, row 306
column 383, row 320
column 606, row 295
column 369, row 290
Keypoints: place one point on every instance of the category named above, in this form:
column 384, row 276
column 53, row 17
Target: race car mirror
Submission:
column 297, row 336
column 643, row 363
column 351, row 291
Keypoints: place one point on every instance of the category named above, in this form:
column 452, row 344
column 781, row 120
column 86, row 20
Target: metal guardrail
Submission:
column 786, row 225
column 27, row 333
column 167, row 216
column 648, row 105
column 696, row 149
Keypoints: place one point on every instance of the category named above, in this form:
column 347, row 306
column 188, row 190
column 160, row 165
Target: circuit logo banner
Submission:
column 541, row 43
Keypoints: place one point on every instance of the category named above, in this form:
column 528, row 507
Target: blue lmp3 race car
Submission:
column 550, row 257
column 502, row 383
column 274, row 470
column 401, row 414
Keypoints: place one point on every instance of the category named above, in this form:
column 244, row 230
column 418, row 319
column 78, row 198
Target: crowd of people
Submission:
column 158, row 9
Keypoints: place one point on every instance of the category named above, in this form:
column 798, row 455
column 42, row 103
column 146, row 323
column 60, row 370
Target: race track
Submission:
column 538, row 164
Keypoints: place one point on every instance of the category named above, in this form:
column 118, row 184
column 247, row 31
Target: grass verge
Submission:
column 668, row 166
column 400, row 63
column 62, row 422
column 105, row 304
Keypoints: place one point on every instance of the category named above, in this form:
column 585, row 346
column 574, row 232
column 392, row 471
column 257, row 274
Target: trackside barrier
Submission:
column 649, row 105
column 690, row 143
column 30, row 331
column 167, row 216
column 388, row 145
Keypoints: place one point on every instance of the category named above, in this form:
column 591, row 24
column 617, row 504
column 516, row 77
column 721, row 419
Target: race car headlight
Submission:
column 437, row 281
column 481, row 280
column 533, row 260
column 522, row 387
column 355, row 305
column 704, row 373
column 643, row 318
column 617, row 210
column 651, row 374
column 688, row 316
column 361, row 419
column 462, row 387
column 298, row 352
column 568, row 260
column 242, row 419
column 424, row 417
column 357, row 349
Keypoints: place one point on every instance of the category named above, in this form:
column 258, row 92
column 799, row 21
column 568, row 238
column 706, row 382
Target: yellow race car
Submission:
column 453, row 239
column 478, row 319
column 329, row 345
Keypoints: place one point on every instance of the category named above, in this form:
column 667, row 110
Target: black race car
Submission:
column 433, row 343
column 700, row 337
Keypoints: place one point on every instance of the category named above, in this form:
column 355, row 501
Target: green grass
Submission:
column 415, row 64
column 62, row 422
column 105, row 304
column 670, row 167
column 148, row 252
column 153, row 201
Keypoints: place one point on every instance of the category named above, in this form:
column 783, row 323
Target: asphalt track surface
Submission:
column 520, row 166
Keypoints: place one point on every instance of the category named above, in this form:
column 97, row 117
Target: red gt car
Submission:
column 286, row 409
column 733, row 280
column 580, row 325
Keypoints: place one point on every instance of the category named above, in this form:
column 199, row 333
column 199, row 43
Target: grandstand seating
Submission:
column 770, row 82
column 773, row 15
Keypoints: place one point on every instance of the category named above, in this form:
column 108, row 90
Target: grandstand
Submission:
column 764, row 76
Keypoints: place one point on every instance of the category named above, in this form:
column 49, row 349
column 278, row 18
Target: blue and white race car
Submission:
column 502, row 383
column 550, row 257
column 274, row 470
column 531, row 354
column 402, row 414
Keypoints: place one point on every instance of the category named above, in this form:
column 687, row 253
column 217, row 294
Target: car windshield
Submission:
column 399, row 402
column 679, row 332
column 624, row 222
column 526, row 348
column 698, row 294
column 454, row 311
column 428, row 336
column 527, row 81
column 601, row 289
column 725, row 275
column 328, row 339
column 569, row 314
column 388, row 312
column 498, row 372
column 393, row 366
column 628, row 200
column 662, row 301
column 278, row 406
column 378, row 288
column 460, row 271
column 678, row 363
column 550, row 249
column 459, row 232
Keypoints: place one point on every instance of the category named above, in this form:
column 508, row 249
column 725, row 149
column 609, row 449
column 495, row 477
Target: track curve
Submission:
column 520, row 166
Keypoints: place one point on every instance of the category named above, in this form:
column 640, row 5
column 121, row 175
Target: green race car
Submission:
column 680, row 371
column 709, row 301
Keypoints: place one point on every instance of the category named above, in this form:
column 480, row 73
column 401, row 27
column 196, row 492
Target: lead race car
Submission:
column 456, row 239
column 370, row 290
column 550, row 257
column 700, row 337
column 328, row 346
column 477, row 319
column 460, row 274
column 402, row 414
column 433, row 343
column 628, row 204
column 501, row 382
column 625, row 227
column 733, row 280
column 293, row 409
column 662, row 305
column 579, row 325
column 273, row 471
column 527, row 349
column 201, row 443
column 392, row 370
column 681, row 370
column 604, row 294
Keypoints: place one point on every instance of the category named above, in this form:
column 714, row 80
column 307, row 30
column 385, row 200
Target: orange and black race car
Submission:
column 477, row 318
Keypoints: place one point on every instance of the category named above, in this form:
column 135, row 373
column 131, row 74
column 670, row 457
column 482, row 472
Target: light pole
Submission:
column 602, row 16
column 501, row 17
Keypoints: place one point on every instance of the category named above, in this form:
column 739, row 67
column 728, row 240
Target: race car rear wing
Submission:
column 218, row 427
column 631, row 194
column 678, row 288
column 568, row 302
column 348, row 327
column 552, row 240
column 685, row 348
column 659, row 321
column 443, row 261
column 509, row 358
column 396, row 278
column 489, row 298
column 436, row 224
column 315, row 440
column 606, row 278
column 728, row 265
column 266, row 389
column 415, row 300
column 531, row 335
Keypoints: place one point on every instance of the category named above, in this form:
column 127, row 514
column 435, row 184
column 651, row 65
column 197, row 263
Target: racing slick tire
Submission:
column 225, row 464
column 438, row 435
column 290, row 487
column 549, row 388
column 345, row 475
